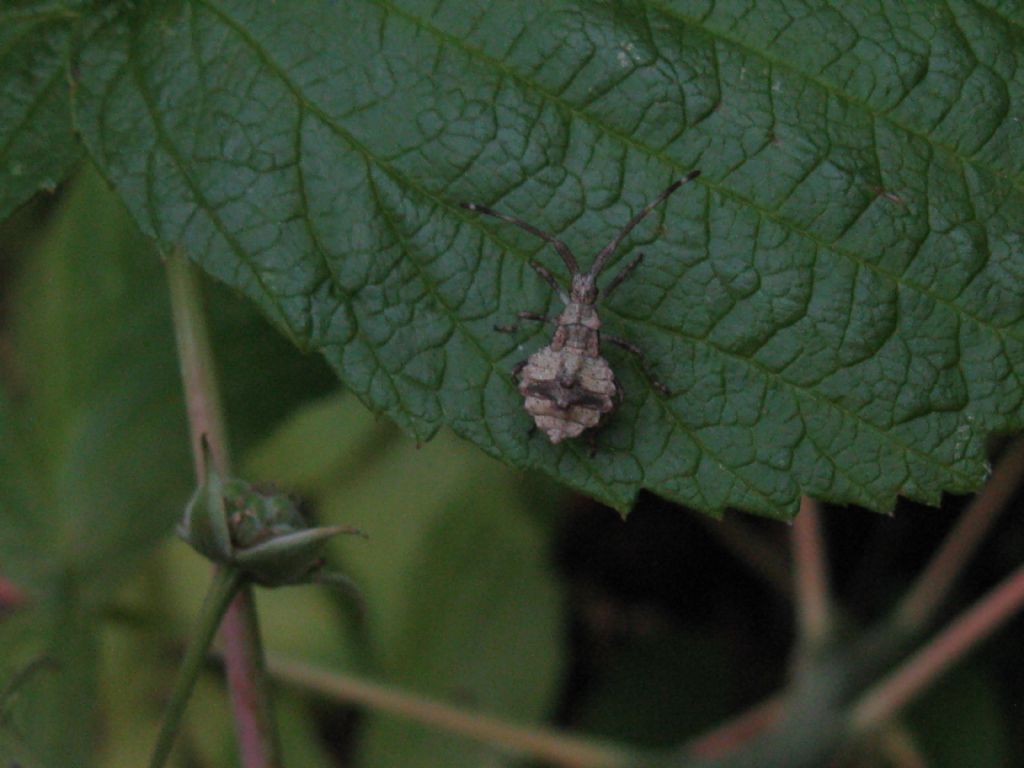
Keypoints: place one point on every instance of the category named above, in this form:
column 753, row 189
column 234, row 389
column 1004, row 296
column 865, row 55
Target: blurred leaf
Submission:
column 136, row 662
column 97, row 400
column 836, row 303
column 301, row 743
column 21, row 518
column 481, row 629
column 37, row 146
column 961, row 723
column 94, row 462
column 462, row 602
column 98, row 426
column 263, row 376
column 656, row 688
column 52, row 715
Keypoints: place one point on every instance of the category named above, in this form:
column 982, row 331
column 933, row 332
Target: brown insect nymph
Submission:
column 567, row 386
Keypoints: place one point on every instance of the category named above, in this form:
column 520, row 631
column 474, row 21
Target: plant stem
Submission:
column 899, row 749
column 732, row 734
column 255, row 725
column 255, row 728
column 977, row 623
column 225, row 584
column 932, row 586
column 537, row 743
column 810, row 575
column 11, row 596
column 759, row 553
column 198, row 372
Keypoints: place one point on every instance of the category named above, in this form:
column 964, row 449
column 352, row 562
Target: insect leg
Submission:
column 517, row 369
column 533, row 316
column 607, row 251
column 623, row 274
column 562, row 248
column 545, row 273
column 644, row 363
column 513, row 327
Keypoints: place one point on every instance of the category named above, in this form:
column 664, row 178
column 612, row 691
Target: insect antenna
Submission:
column 609, row 249
column 562, row 248
column 623, row 274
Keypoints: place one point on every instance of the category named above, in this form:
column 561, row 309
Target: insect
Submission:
column 567, row 386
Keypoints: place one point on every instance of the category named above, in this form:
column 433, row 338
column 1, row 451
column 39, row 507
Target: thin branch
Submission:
column 932, row 586
column 249, row 685
column 736, row 732
column 250, row 698
column 198, row 371
column 900, row 750
column 223, row 588
column 12, row 597
column 884, row 699
column 755, row 551
column 810, row 575
column 537, row 743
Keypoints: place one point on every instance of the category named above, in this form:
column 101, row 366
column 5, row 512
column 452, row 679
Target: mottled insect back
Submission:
column 562, row 410
column 567, row 387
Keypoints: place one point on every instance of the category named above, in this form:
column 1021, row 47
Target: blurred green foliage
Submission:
column 95, row 472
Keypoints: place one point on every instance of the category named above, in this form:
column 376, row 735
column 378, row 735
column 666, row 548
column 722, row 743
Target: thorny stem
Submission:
column 932, row 586
column 537, row 743
column 977, row 623
column 255, row 729
column 225, row 585
column 810, row 573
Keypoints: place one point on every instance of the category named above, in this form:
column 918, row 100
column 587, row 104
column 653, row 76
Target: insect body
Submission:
column 567, row 386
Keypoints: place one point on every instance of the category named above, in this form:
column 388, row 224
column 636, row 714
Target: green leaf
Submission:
column 37, row 146
column 836, row 303
column 93, row 452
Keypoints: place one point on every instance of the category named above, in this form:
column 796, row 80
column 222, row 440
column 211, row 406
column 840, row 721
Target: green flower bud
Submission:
column 257, row 530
